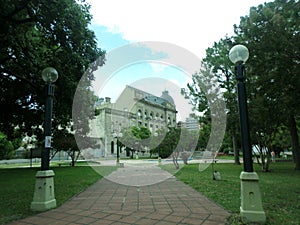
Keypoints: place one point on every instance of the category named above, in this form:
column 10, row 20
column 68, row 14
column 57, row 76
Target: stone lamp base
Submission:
column 251, row 204
column 43, row 198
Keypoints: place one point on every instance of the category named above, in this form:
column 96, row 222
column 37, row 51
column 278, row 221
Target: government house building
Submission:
column 134, row 107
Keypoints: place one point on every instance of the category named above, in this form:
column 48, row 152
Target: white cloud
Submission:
column 157, row 67
column 192, row 24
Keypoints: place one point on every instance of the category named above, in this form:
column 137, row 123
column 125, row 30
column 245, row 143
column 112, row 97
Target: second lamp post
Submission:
column 44, row 198
column 117, row 136
column 251, row 204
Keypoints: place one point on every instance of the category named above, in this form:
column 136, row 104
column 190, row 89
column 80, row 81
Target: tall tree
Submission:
column 217, row 59
column 135, row 138
column 34, row 35
column 205, row 95
column 271, row 32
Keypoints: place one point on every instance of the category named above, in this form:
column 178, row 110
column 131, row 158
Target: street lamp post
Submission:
column 251, row 204
column 137, row 150
column 49, row 75
column 118, row 152
column 239, row 54
column 158, row 151
column 117, row 136
column 44, row 198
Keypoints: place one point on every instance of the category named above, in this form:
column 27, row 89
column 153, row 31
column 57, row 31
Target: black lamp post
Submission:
column 239, row 54
column 44, row 197
column 117, row 136
column 118, row 151
column 251, row 203
column 49, row 75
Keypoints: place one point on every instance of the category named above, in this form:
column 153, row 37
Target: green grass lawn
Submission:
column 17, row 187
column 280, row 189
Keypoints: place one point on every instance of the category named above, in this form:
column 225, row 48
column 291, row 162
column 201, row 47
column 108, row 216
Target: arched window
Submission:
column 151, row 115
column 156, row 116
column 139, row 114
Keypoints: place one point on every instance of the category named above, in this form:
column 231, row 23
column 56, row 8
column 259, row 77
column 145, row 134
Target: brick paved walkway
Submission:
column 107, row 202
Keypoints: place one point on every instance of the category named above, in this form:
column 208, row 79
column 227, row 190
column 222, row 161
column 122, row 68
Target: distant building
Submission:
column 134, row 107
column 191, row 123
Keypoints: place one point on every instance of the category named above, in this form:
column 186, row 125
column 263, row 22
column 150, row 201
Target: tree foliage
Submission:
column 205, row 94
column 135, row 138
column 35, row 35
column 217, row 59
column 65, row 141
column 169, row 143
column 271, row 33
column 6, row 147
column 175, row 143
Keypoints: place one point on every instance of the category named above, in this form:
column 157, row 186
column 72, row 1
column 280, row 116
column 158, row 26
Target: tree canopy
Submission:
column 34, row 35
column 271, row 33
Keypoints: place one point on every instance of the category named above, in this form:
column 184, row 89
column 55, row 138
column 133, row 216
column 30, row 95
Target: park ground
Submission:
column 279, row 188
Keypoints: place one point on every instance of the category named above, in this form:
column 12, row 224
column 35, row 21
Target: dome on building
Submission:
column 165, row 95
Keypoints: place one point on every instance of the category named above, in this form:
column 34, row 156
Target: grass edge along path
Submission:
column 280, row 189
column 17, row 187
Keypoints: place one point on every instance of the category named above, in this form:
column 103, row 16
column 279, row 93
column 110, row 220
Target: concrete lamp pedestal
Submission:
column 251, row 204
column 43, row 198
column 159, row 160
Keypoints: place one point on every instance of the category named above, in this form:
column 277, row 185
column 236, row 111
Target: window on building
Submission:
column 139, row 114
column 151, row 127
column 151, row 115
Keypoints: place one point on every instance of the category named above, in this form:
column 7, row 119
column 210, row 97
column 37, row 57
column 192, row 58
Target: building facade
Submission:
column 134, row 107
column 191, row 123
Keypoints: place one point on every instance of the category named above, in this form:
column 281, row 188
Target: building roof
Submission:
column 162, row 101
column 165, row 95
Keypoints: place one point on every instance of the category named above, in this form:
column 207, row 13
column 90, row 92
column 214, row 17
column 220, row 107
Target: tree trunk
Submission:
column 53, row 155
column 131, row 154
column 175, row 157
column 266, row 165
column 268, row 160
column 258, row 156
column 72, row 154
column 73, row 158
column 262, row 158
column 236, row 151
column 295, row 141
column 73, row 162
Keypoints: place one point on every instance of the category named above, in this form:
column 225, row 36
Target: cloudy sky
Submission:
column 193, row 25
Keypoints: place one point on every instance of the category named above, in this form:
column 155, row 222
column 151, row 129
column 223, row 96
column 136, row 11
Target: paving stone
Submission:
column 164, row 203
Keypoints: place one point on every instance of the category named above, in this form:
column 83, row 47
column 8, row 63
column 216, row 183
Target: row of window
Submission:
column 141, row 117
column 117, row 127
column 151, row 116
column 151, row 126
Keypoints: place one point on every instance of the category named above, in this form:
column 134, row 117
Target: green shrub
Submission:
column 6, row 147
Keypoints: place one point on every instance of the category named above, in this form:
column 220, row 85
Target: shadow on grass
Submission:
column 17, row 187
column 279, row 189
